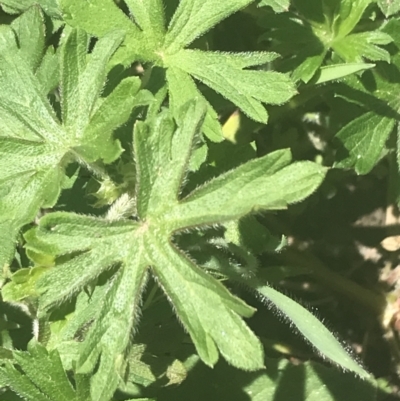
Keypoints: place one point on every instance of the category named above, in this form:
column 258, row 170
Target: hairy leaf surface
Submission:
column 223, row 72
column 362, row 141
column 43, row 377
column 35, row 146
column 96, row 240
column 209, row 312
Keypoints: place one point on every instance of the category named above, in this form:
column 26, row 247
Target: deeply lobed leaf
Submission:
column 35, row 146
column 43, row 375
column 139, row 241
column 132, row 248
column 264, row 183
column 222, row 72
column 246, row 88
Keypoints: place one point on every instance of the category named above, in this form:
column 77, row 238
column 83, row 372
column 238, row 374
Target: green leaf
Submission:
column 128, row 249
column 7, row 38
column 364, row 139
column 224, row 72
column 302, row 45
column 305, row 322
column 181, row 90
column 278, row 6
column 38, row 365
column 159, row 147
column 30, row 31
column 43, row 377
column 113, row 111
column 305, row 42
column 102, row 17
column 47, row 72
column 22, row 107
column 198, row 157
column 70, row 275
column 389, row 7
column 51, row 7
column 353, row 48
column 22, row 284
column 324, row 384
column 193, row 18
column 350, row 14
column 83, row 81
column 309, row 67
column 112, row 330
column 313, row 330
column 35, row 147
column 67, row 332
column 264, row 183
column 146, row 40
column 223, row 329
column 111, row 333
column 149, row 16
column 140, row 372
column 31, row 182
column 21, row 385
column 337, row 71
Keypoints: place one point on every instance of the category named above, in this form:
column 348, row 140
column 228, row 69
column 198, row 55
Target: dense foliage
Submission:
column 168, row 170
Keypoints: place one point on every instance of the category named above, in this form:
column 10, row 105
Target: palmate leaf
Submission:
column 324, row 26
column 35, row 146
column 362, row 141
column 237, row 242
column 191, row 20
column 227, row 74
column 355, row 47
column 133, row 248
column 43, row 378
column 359, row 46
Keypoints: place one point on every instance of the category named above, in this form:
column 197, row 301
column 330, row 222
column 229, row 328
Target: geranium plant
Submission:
column 120, row 195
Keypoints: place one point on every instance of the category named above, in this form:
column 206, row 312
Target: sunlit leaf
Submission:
column 35, row 146
column 133, row 248
column 366, row 45
column 222, row 72
column 43, row 377
column 226, row 74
